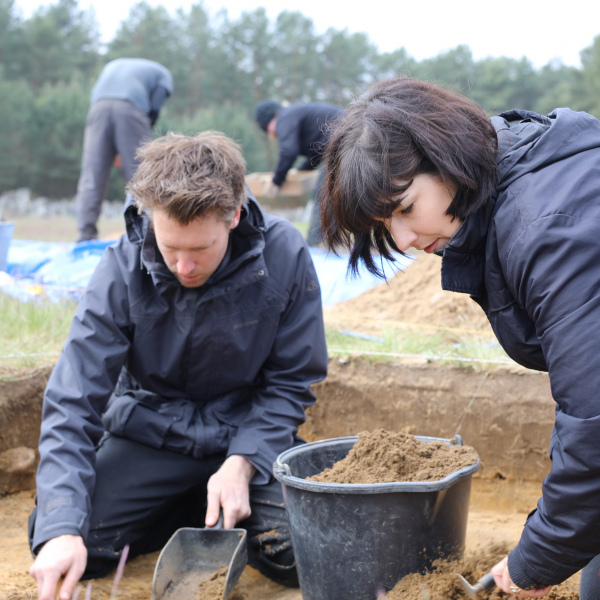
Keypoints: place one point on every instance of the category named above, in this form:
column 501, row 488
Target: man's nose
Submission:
column 402, row 234
column 184, row 265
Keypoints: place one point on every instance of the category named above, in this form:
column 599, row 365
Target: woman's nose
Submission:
column 402, row 234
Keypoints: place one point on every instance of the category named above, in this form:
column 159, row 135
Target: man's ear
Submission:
column 235, row 220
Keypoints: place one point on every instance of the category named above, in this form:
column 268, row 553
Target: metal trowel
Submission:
column 485, row 583
column 193, row 556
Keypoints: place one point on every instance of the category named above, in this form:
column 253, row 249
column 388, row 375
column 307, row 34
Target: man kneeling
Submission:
column 186, row 372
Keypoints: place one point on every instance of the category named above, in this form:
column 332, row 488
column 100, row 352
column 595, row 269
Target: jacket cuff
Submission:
column 279, row 178
column 517, row 572
column 38, row 542
column 59, row 522
column 249, row 450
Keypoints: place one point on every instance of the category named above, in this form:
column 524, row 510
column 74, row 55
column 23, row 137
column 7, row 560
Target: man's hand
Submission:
column 272, row 191
column 64, row 555
column 504, row 582
column 229, row 488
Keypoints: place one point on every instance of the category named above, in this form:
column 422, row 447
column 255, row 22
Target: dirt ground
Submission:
column 415, row 297
column 509, row 424
column 15, row 583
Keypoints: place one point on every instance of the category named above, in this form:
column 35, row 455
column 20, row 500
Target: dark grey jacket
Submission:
column 221, row 368
column 531, row 259
column 300, row 131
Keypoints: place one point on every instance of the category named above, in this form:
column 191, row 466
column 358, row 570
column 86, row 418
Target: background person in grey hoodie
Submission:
column 126, row 101
column 207, row 318
column 512, row 205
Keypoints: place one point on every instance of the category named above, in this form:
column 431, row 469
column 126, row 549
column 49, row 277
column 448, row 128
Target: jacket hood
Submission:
column 246, row 241
column 528, row 141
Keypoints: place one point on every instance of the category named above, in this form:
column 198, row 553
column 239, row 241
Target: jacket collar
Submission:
column 463, row 261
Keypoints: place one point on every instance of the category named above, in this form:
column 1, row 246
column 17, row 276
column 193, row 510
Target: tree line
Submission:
column 221, row 68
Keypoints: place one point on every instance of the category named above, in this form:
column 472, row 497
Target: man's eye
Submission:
column 408, row 209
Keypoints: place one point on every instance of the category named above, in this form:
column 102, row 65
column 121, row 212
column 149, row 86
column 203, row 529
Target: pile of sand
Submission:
column 214, row 587
column 385, row 456
column 442, row 583
column 415, row 296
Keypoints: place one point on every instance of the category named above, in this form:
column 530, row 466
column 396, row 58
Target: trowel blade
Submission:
column 468, row 587
column 191, row 556
column 485, row 583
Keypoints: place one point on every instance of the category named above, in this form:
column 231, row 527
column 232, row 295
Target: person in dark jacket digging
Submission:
column 301, row 130
column 126, row 101
column 207, row 318
column 512, row 205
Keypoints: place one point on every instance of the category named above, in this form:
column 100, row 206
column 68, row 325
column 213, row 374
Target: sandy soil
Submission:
column 509, row 422
column 382, row 456
column 15, row 584
column 415, row 297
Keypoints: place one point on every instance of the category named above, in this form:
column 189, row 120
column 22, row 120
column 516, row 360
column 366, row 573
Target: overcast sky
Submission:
column 539, row 30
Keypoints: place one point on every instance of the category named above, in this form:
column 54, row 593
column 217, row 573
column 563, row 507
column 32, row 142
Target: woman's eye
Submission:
column 408, row 209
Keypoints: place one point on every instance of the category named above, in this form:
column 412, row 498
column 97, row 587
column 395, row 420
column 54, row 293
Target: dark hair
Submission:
column 397, row 129
column 190, row 177
column 265, row 112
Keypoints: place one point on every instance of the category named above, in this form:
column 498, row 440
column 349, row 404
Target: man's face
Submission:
column 192, row 252
column 272, row 128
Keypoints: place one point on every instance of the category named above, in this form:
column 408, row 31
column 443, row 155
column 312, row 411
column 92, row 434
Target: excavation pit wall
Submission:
column 509, row 424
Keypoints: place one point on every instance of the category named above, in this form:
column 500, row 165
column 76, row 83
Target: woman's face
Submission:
column 420, row 221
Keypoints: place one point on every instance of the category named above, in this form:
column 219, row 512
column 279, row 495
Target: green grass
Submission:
column 303, row 227
column 32, row 333
column 395, row 341
column 455, row 346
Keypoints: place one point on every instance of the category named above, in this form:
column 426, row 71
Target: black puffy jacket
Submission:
column 226, row 367
column 531, row 259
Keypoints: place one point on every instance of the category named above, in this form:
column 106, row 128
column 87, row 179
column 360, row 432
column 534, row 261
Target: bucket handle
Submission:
column 282, row 469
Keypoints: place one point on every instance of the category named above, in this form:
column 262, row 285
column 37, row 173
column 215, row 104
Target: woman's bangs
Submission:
column 370, row 196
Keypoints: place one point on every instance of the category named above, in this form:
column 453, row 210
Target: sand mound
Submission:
column 442, row 583
column 415, row 296
column 385, row 456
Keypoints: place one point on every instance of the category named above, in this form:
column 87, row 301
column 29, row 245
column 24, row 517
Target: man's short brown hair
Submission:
column 190, row 177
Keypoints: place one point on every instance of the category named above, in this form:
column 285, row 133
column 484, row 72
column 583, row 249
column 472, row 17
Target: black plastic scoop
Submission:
column 192, row 556
column 485, row 583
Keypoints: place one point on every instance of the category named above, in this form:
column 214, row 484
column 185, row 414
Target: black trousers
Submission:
column 143, row 495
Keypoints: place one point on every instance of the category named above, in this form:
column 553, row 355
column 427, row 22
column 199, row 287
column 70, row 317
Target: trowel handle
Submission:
column 219, row 523
column 487, row 582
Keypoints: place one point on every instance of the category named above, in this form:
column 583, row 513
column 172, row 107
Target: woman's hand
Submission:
column 505, row 583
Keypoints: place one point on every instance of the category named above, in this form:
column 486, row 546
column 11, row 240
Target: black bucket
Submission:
column 353, row 540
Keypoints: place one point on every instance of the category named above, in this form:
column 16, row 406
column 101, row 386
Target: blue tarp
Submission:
column 62, row 270
column 337, row 285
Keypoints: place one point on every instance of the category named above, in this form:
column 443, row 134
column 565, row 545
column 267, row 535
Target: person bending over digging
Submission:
column 512, row 205
column 186, row 372
column 301, row 130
